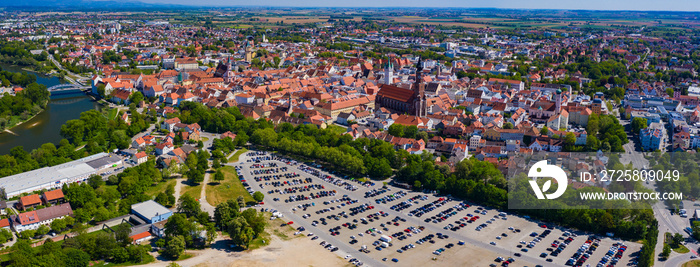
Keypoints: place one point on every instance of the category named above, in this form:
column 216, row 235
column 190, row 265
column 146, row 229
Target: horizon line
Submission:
column 186, row 6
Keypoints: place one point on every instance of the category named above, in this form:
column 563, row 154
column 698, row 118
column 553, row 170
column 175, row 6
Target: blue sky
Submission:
column 671, row 5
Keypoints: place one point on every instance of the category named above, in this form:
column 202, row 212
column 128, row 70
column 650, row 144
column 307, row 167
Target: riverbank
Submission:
column 9, row 129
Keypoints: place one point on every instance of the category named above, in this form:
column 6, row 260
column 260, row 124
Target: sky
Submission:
column 660, row 5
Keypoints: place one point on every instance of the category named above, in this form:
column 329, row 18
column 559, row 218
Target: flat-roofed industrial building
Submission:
column 56, row 176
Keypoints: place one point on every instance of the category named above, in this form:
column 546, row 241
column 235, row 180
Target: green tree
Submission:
column 101, row 90
column 241, row 202
column 5, row 235
column 42, row 230
column 136, row 97
column 569, row 139
column 240, row 232
column 219, row 175
column 58, row 225
column 666, row 251
column 677, row 240
column 76, row 258
column 638, row 124
column 266, row 137
column 396, row 130
column 120, row 255
column 258, row 196
column 410, row 131
column 175, row 246
column 225, row 212
column 508, row 125
column 95, row 181
column 544, row 130
column 188, row 206
column 669, row 92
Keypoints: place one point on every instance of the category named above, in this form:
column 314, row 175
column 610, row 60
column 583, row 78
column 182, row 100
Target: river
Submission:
column 45, row 127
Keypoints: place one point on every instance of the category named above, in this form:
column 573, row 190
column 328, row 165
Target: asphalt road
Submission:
column 667, row 223
column 285, row 208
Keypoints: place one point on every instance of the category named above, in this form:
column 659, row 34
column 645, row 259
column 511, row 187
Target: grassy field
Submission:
column 230, row 188
column 681, row 249
column 695, row 263
column 160, row 187
column 238, row 153
column 112, row 113
column 285, row 232
column 184, row 256
column 193, row 191
column 337, row 129
column 149, row 259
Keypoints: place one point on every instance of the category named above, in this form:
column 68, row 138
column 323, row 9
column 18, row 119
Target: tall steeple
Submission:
column 419, row 101
column 388, row 73
column 418, row 86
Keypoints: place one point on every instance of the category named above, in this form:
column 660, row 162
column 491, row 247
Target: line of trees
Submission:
column 243, row 227
column 20, row 107
column 189, row 228
column 114, row 247
column 94, row 202
column 471, row 179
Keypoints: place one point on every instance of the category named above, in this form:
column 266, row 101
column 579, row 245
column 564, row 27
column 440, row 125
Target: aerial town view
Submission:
column 319, row 133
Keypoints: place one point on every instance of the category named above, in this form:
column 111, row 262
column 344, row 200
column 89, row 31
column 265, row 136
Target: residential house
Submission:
column 53, row 197
column 140, row 157
column 33, row 219
column 30, row 201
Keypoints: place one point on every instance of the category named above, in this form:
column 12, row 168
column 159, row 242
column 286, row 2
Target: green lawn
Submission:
column 112, row 113
column 193, row 191
column 149, row 259
column 185, row 256
column 285, row 232
column 681, row 249
column 160, row 187
column 695, row 263
column 236, row 155
column 230, row 188
column 337, row 129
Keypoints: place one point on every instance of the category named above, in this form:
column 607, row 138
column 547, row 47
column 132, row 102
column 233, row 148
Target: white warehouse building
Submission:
column 56, row 176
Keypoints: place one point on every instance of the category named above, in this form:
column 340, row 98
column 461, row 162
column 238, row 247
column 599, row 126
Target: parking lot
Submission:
column 384, row 225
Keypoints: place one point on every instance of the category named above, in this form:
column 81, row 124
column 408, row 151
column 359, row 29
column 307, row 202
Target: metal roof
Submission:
column 149, row 209
column 18, row 183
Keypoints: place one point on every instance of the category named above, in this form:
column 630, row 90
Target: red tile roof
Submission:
column 30, row 200
column 53, row 195
column 141, row 235
column 28, row 218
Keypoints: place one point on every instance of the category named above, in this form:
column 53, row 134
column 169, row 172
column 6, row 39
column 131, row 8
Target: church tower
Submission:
column 558, row 103
column 228, row 75
column 249, row 49
column 388, row 73
column 290, row 109
column 419, row 102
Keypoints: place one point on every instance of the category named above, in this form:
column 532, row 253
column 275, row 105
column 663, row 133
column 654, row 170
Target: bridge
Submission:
column 67, row 87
